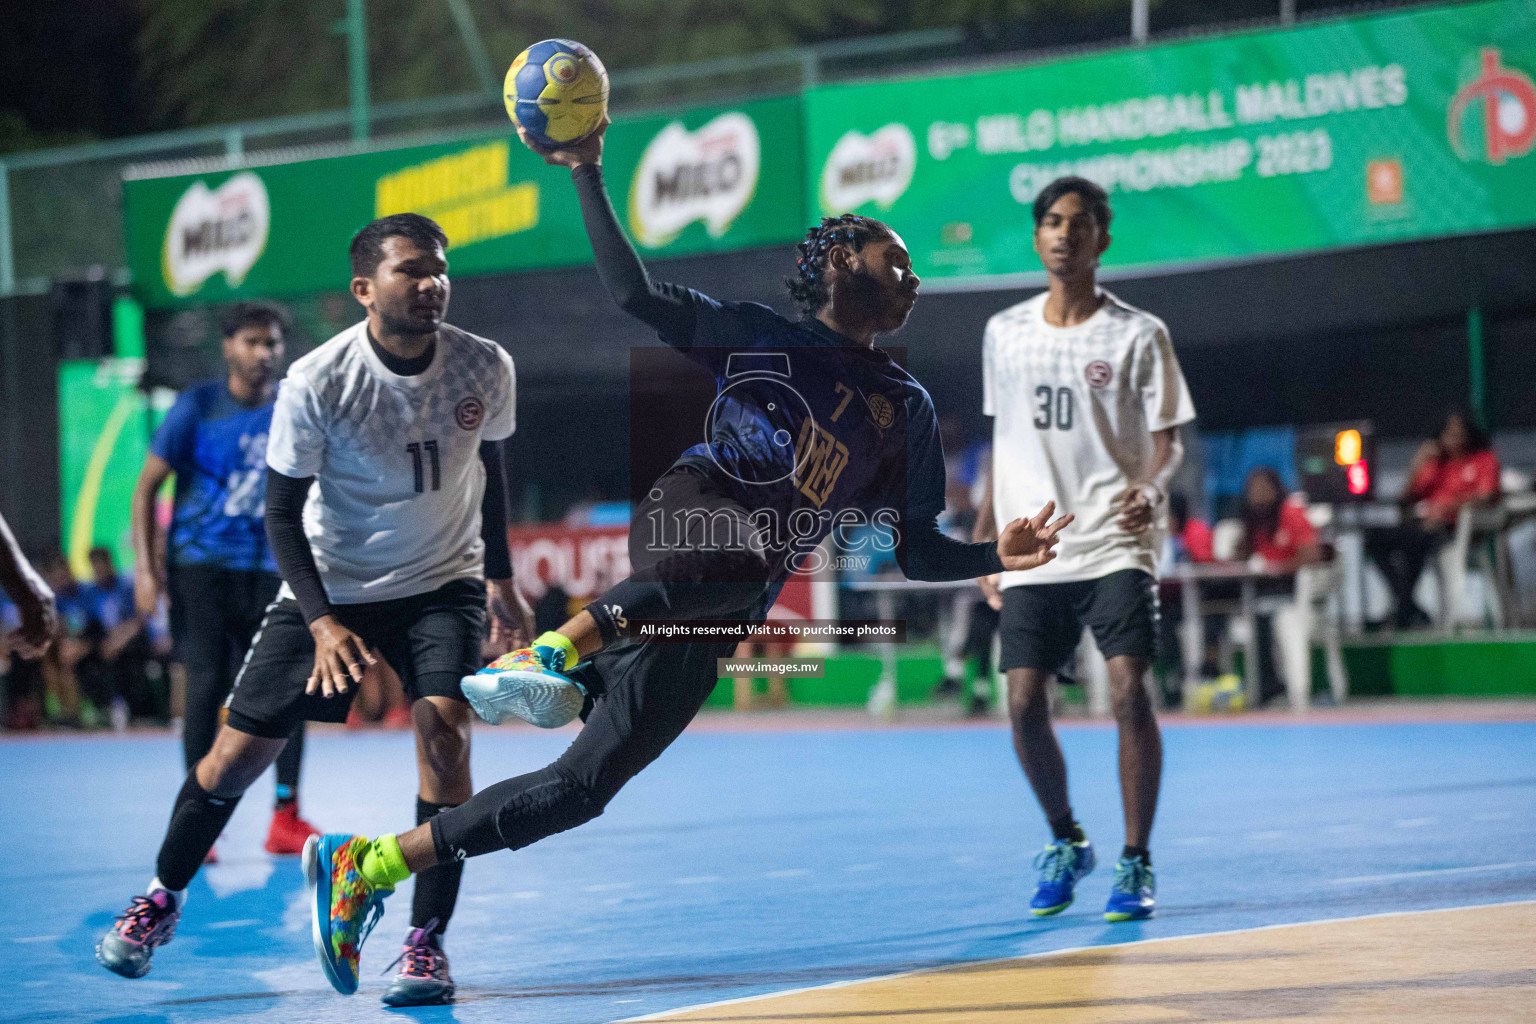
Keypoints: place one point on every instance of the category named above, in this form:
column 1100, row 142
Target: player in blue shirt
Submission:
column 217, row 569
column 814, row 432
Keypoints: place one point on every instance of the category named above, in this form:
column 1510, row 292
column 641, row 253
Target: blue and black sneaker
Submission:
column 1133, row 895
column 1062, row 864
column 529, row 683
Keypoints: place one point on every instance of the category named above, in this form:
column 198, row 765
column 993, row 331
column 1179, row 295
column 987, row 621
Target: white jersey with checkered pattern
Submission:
column 395, row 510
column 1075, row 409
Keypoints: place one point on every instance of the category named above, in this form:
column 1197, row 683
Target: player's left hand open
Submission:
column 340, row 656
column 1137, row 507
column 511, row 617
column 1028, row 543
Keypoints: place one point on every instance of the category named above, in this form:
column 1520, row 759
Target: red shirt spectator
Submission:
column 1293, row 533
column 1446, row 484
column 1275, row 527
column 1196, row 538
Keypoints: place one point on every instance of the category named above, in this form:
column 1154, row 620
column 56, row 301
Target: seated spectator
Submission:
column 1276, row 532
column 1275, row 528
column 1190, row 539
column 112, row 673
column 56, row 671
column 1448, row 471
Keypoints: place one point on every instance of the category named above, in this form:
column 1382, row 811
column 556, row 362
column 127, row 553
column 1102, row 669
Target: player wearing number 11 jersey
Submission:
column 1087, row 397
column 386, row 514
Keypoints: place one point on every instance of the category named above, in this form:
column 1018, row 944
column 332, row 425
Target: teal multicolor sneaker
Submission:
column 344, row 906
column 1061, row 864
column 529, row 684
column 1132, row 897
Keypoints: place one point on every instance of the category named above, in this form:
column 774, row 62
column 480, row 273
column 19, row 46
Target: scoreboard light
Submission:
column 1333, row 460
column 1358, row 476
column 1348, row 449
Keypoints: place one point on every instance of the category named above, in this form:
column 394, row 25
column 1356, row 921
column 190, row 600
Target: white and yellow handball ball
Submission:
column 557, row 92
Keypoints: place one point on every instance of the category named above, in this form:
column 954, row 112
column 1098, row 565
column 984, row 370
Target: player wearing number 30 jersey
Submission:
column 1086, row 395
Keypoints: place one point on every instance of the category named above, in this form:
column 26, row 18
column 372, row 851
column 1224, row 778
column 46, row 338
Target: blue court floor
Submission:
column 751, row 862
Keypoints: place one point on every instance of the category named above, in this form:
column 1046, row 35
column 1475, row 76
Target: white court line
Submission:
column 788, row 873
column 861, row 867
column 526, row 894
column 1268, row 835
column 696, row 880
column 1414, row 822
column 608, row 887
column 1193, row 840
column 246, row 923
column 1436, row 871
column 1056, row 952
column 38, row 938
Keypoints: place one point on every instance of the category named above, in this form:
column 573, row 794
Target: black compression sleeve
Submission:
column 925, row 553
column 285, row 533
column 493, row 513
column 668, row 308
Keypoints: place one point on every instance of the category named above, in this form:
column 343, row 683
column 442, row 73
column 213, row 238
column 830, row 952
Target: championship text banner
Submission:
column 1346, row 133
column 1352, row 132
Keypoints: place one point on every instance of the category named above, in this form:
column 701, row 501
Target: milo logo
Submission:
column 868, row 168
column 708, row 175
column 214, row 230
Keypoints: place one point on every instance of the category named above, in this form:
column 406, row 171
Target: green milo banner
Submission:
column 1340, row 134
column 104, row 427
column 704, row 180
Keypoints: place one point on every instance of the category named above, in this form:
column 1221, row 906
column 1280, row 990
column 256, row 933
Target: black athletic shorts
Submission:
column 1041, row 622
column 431, row 640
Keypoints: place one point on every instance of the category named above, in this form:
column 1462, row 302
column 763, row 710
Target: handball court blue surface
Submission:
column 751, row 862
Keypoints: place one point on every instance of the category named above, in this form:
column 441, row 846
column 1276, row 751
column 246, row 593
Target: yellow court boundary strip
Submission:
column 1044, row 954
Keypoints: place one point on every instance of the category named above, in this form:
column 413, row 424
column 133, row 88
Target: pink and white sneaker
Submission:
column 148, row 922
column 423, row 979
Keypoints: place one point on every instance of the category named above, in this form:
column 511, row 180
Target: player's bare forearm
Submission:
column 33, row 597
column 1138, row 505
column 148, row 563
column 1167, row 457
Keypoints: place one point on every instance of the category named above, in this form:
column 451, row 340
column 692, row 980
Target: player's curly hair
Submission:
column 809, row 287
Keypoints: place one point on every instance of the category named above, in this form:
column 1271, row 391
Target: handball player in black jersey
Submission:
column 815, row 431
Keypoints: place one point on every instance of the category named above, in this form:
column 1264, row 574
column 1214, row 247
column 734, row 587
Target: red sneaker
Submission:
column 288, row 831
column 213, row 855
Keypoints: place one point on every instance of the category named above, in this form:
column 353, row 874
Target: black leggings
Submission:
column 1401, row 553
column 214, row 614
column 646, row 692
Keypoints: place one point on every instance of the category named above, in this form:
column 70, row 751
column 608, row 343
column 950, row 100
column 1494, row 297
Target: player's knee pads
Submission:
column 552, row 802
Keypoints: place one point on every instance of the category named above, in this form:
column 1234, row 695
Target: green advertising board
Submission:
column 1339, row 134
column 704, row 180
column 104, row 426
column 1345, row 133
